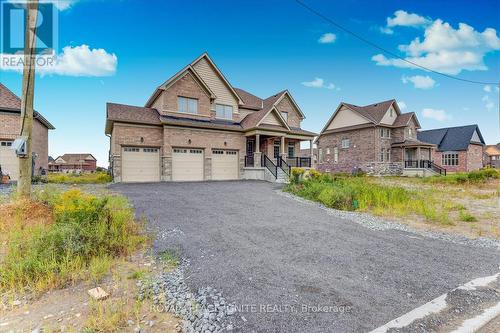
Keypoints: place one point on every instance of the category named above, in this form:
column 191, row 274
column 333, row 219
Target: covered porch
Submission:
column 279, row 148
column 417, row 155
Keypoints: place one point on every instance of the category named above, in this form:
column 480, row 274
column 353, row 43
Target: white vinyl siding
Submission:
column 187, row 105
column 216, row 83
column 223, row 111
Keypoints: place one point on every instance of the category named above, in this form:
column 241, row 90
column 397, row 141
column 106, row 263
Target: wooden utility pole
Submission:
column 25, row 163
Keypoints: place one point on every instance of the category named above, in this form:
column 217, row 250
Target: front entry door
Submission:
column 277, row 148
column 250, row 147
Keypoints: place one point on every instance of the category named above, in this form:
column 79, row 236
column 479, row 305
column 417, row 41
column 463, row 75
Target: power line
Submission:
column 329, row 20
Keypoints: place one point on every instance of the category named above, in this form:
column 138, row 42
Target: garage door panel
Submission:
column 225, row 164
column 187, row 164
column 8, row 160
column 140, row 164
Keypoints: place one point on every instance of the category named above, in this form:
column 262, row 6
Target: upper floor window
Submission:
column 382, row 155
column 385, row 132
column 320, row 155
column 187, row 105
column 285, row 116
column 450, row 159
column 409, row 133
column 335, row 155
column 223, row 111
column 346, row 143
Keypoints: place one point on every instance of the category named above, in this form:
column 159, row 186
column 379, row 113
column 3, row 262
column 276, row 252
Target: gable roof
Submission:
column 250, row 101
column 76, row 158
column 191, row 69
column 9, row 102
column 492, row 149
column 404, row 119
column 450, row 138
column 269, row 104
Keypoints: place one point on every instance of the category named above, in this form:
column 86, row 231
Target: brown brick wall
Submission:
column 437, row 157
column 285, row 105
column 10, row 127
column 361, row 150
column 474, row 157
column 469, row 160
column 186, row 87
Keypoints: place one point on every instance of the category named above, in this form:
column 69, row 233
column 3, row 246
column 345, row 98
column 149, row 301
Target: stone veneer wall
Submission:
column 383, row 168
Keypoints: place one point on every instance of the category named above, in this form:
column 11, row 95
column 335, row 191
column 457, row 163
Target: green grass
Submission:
column 87, row 178
column 466, row 217
column 170, row 258
column 77, row 239
column 473, row 177
column 364, row 194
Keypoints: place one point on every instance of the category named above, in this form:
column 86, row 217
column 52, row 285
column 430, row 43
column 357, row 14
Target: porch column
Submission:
column 418, row 157
column 283, row 148
column 257, row 154
column 311, row 153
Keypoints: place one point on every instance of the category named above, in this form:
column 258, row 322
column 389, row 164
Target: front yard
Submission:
column 468, row 204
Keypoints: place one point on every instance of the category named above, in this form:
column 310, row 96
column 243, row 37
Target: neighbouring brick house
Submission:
column 10, row 129
column 492, row 156
column 459, row 149
column 74, row 163
column 197, row 126
column 377, row 139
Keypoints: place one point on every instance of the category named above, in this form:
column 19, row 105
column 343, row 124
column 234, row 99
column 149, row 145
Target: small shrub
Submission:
column 466, row 217
column 297, row 174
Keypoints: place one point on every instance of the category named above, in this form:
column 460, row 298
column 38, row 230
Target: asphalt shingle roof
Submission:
column 450, row 138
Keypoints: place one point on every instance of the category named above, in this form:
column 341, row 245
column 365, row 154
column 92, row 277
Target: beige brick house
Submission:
column 378, row 139
column 197, row 126
column 10, row 128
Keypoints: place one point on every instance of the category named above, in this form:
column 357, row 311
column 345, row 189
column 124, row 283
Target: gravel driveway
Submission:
column 278, row 259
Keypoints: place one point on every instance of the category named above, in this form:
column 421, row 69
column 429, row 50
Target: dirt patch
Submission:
column 72, row 310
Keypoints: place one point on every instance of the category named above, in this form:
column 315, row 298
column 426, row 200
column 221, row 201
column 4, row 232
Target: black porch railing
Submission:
column 267, row 163
column 425, row 164
column 283, row 165
column 299, row 162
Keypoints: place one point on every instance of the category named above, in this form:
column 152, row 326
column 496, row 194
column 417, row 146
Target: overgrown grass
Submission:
column 473, row 177
column 87, row 178
column 364, row 194
column 170, row 258
column 466, row 217
column 77, row 238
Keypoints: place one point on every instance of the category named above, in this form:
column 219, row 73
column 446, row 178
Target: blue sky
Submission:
column 120, row 50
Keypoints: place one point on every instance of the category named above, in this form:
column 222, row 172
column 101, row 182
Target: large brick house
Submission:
column 197, row 126
column 378, row 139
column 458, row 149
column 492, row 156
column 74, row 163
column 10, row 128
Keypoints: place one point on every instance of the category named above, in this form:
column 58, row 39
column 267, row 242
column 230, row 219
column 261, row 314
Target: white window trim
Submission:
column 348, row 143
column 224, row 106
column 187, row 99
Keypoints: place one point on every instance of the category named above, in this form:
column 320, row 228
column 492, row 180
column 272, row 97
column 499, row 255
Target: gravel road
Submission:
column 289, row 266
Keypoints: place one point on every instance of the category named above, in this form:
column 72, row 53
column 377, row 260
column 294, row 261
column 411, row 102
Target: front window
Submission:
column 346, row 143
column 387, row 155
column 320, row 153
column 291, row 149
column 385, row 133
column 382, row 155
column 335, row 155
column 187, row 105
column 450, row 159
column 223, row 111
column 285, row 116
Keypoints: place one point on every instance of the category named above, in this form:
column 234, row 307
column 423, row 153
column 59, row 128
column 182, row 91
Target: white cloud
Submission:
column 439, row 115
column 320, row 83
column 487, row 88
column 405, row 19
column 488, row 103
column 386, row 30
column 419, row 81
column 59, row 4
column 446, row 49
column 402, row 105
column 74, row 61
column 327, row 38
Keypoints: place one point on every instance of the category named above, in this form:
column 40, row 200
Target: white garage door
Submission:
column 224, row 164
column 8, row 160
column 187, row 164
column 140, row 164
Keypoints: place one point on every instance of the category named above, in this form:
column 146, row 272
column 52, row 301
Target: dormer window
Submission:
column 187, row 105
column 223, row 111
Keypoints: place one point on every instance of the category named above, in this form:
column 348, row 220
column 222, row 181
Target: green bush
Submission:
column 466, row 217
column 85, row 230
column 473, row 177
column 297, row 174
column 86, row 178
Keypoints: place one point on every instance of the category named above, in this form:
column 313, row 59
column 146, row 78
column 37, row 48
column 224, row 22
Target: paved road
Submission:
column 261, row 248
